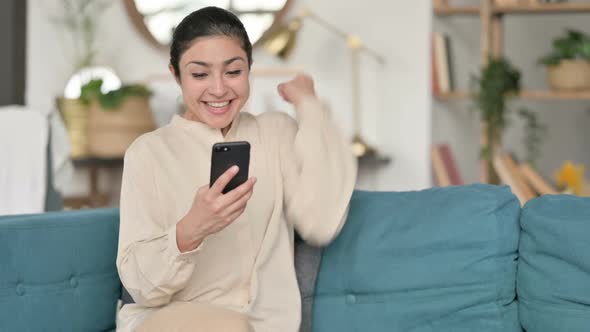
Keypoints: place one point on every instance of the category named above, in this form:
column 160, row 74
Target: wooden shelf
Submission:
column 555, row 95
column 456, row 10
column 526, row 95
column 523, row 9
column 452, row 96
column 545, row 8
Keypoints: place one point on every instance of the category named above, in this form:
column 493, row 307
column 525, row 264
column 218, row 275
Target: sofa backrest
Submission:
column 553, row 282
column 442, row 259
column 434, row 260
column 58, row 272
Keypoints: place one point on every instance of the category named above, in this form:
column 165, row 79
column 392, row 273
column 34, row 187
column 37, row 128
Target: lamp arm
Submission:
column 349, row 38
column 325, row 24
column 356, row 117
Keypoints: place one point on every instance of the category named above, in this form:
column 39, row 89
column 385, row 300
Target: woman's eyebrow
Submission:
column 200, row 63
column 226, row 62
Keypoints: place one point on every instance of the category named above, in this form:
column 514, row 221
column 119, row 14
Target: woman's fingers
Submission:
column 239, row 204
column 223, row 180
column 231, row 218
column 234, row 195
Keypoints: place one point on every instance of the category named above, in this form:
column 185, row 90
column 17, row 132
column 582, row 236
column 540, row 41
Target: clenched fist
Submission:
column 297, row 89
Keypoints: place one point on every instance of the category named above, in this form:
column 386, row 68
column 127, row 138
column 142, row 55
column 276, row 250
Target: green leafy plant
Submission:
column 80, row 20
column 113, row 99
column 574, row 45
column 498, row 82
column 534, row 132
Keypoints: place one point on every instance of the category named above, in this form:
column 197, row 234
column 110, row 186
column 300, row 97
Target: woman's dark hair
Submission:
column 205, row 22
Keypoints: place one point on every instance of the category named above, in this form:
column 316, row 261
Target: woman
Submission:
column 195, row 259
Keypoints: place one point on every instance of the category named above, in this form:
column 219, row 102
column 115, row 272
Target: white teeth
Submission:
column 222, row 104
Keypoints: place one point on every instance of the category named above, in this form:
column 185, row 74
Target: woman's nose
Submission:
column 218, row 87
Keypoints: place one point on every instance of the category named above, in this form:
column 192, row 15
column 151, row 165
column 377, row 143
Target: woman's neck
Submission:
column 225, row 130
column 191, row 117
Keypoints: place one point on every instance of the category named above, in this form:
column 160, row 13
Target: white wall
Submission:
column 395, row 97
column 527, row 38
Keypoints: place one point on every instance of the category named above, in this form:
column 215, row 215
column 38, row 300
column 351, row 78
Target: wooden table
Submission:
column 94, row 198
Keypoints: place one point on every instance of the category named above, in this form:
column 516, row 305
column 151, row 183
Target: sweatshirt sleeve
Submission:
column 150, row 265
column 319, row 172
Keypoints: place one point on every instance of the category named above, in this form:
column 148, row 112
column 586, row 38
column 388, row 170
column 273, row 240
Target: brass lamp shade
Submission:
column 281, row 40
column 360, row 148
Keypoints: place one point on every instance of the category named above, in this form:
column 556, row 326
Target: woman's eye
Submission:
column 234, row 72
column 199, row 75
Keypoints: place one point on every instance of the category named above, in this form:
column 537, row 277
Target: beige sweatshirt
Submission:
column 306, row 175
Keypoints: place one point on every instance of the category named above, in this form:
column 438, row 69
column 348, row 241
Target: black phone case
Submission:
column 227, row 154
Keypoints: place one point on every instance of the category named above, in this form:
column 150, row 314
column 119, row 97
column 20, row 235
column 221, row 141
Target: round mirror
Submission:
column 156, row 19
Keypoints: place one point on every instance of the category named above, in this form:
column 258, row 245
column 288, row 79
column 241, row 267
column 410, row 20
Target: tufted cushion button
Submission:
column 74, row 282
column 350, row 298
column 20, row 289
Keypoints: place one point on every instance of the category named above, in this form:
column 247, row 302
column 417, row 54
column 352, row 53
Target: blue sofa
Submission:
column 445, row 259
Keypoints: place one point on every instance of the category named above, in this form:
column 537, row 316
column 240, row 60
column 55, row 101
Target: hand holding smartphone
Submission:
column 218, row 204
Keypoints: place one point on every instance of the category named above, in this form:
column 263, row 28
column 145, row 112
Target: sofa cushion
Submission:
column 553, row 282
column 442, row 259
column 58, row 271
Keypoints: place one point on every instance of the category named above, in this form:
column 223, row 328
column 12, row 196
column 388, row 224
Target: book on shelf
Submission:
column 442, row 69
column 439, row 172
column 444, row 168
column 536, row 181
column 434, row 77
column 509, row 174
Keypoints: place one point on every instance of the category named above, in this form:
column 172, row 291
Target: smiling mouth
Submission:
column 218, row 107
column 218, row 104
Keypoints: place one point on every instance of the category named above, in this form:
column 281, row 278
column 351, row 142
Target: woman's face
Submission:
column 214, row 80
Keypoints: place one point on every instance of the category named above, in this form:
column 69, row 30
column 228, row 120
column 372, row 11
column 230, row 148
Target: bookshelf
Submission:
column 543, row 95
column 447, row 10
column 491, row 44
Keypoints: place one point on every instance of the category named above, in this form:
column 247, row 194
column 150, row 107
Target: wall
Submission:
column 395, row 100
column 527, row 38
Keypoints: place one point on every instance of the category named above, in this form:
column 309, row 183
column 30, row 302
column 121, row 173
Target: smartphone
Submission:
column 224, row 156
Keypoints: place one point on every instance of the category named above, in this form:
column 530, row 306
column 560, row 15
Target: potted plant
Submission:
column 79, row 19
column 568, row 64
column 117, row 118
column 497, row 83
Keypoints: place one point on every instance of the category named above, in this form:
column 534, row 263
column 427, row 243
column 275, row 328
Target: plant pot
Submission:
column 111, row 131
column 76, row 116
column 569, row 75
